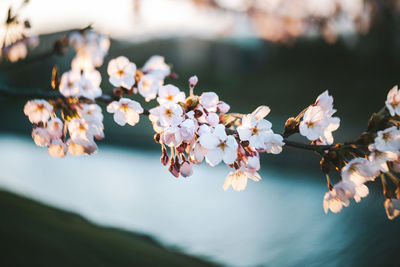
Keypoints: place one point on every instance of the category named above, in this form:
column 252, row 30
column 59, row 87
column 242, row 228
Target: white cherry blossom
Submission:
column 125, row 111
column 331, row 125
column 75, row 149
column 317, row 123
column 69, row 84
column 238, row 179
column 156, row 65
column 253, row 162
column 40, row 136
column 219, row 146
column 170, row 93
column 393, row 101
column 273, row 143
column 197, row 153
column 55, row 128
column 261, row 112
column 325, row 101
column 209, row 101
column 254, row 131
column 149, row 85
column 313, row 123
column 89, row 84
column 359, row 171
column 223, row 107
column 187, row 130
column 388, row 140
column 336, row 198
column 79, row 130
column 17, row 51
column 57, row 148
column 171, row 136
column 38, row 110
column 380, row 159
column 91, row 112
column 170, row 114
column 392, row 207
column 212, row 119
column 122, row 72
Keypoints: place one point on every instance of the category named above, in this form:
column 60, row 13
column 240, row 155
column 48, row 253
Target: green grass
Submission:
column 33, row 234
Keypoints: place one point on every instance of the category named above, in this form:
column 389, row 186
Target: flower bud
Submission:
column 291, row 127
column 332, row 154
column 118, row 92
column 164, row 158
column 157, row 137
column 245, row 143
column 186, row 169
column 177, row 163
column 173, row 75
column 193, row 81
column 198, row 113
column 172, row 168
column 61, row 46
column 181, row 148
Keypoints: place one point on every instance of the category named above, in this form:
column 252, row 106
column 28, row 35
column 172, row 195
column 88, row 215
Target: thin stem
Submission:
column 317, row 148
column 328, row 181
column 395, row 179
column 386, row 192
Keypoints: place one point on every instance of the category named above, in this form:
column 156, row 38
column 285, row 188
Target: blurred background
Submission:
column 124, row 208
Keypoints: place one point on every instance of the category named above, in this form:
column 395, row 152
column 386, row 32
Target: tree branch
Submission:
column 105, row 98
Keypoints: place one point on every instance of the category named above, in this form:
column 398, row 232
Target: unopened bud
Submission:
column 177, row 163
column 164, row 158
column 245, row 143
column 291, row 127
column 172, row 168
column 157, row 137
column 236, row 165
column 186, row 169
column 193, row 81
column 173, row 75
column 332, row 154
column 198, row 113
column 27, row 24
column 181, row 148
column 118, row 92
column 60, row 46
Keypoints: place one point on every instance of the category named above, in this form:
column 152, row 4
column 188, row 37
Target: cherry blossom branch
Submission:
column 106, row 98
column 199, row 127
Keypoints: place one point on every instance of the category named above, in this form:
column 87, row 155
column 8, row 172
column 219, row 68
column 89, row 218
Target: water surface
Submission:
column 276, row 222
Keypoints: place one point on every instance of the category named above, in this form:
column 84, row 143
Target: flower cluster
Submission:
column 75, row 135
column 380, row 158
column 198, row 128
column 318, row 124
column 192, row 128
